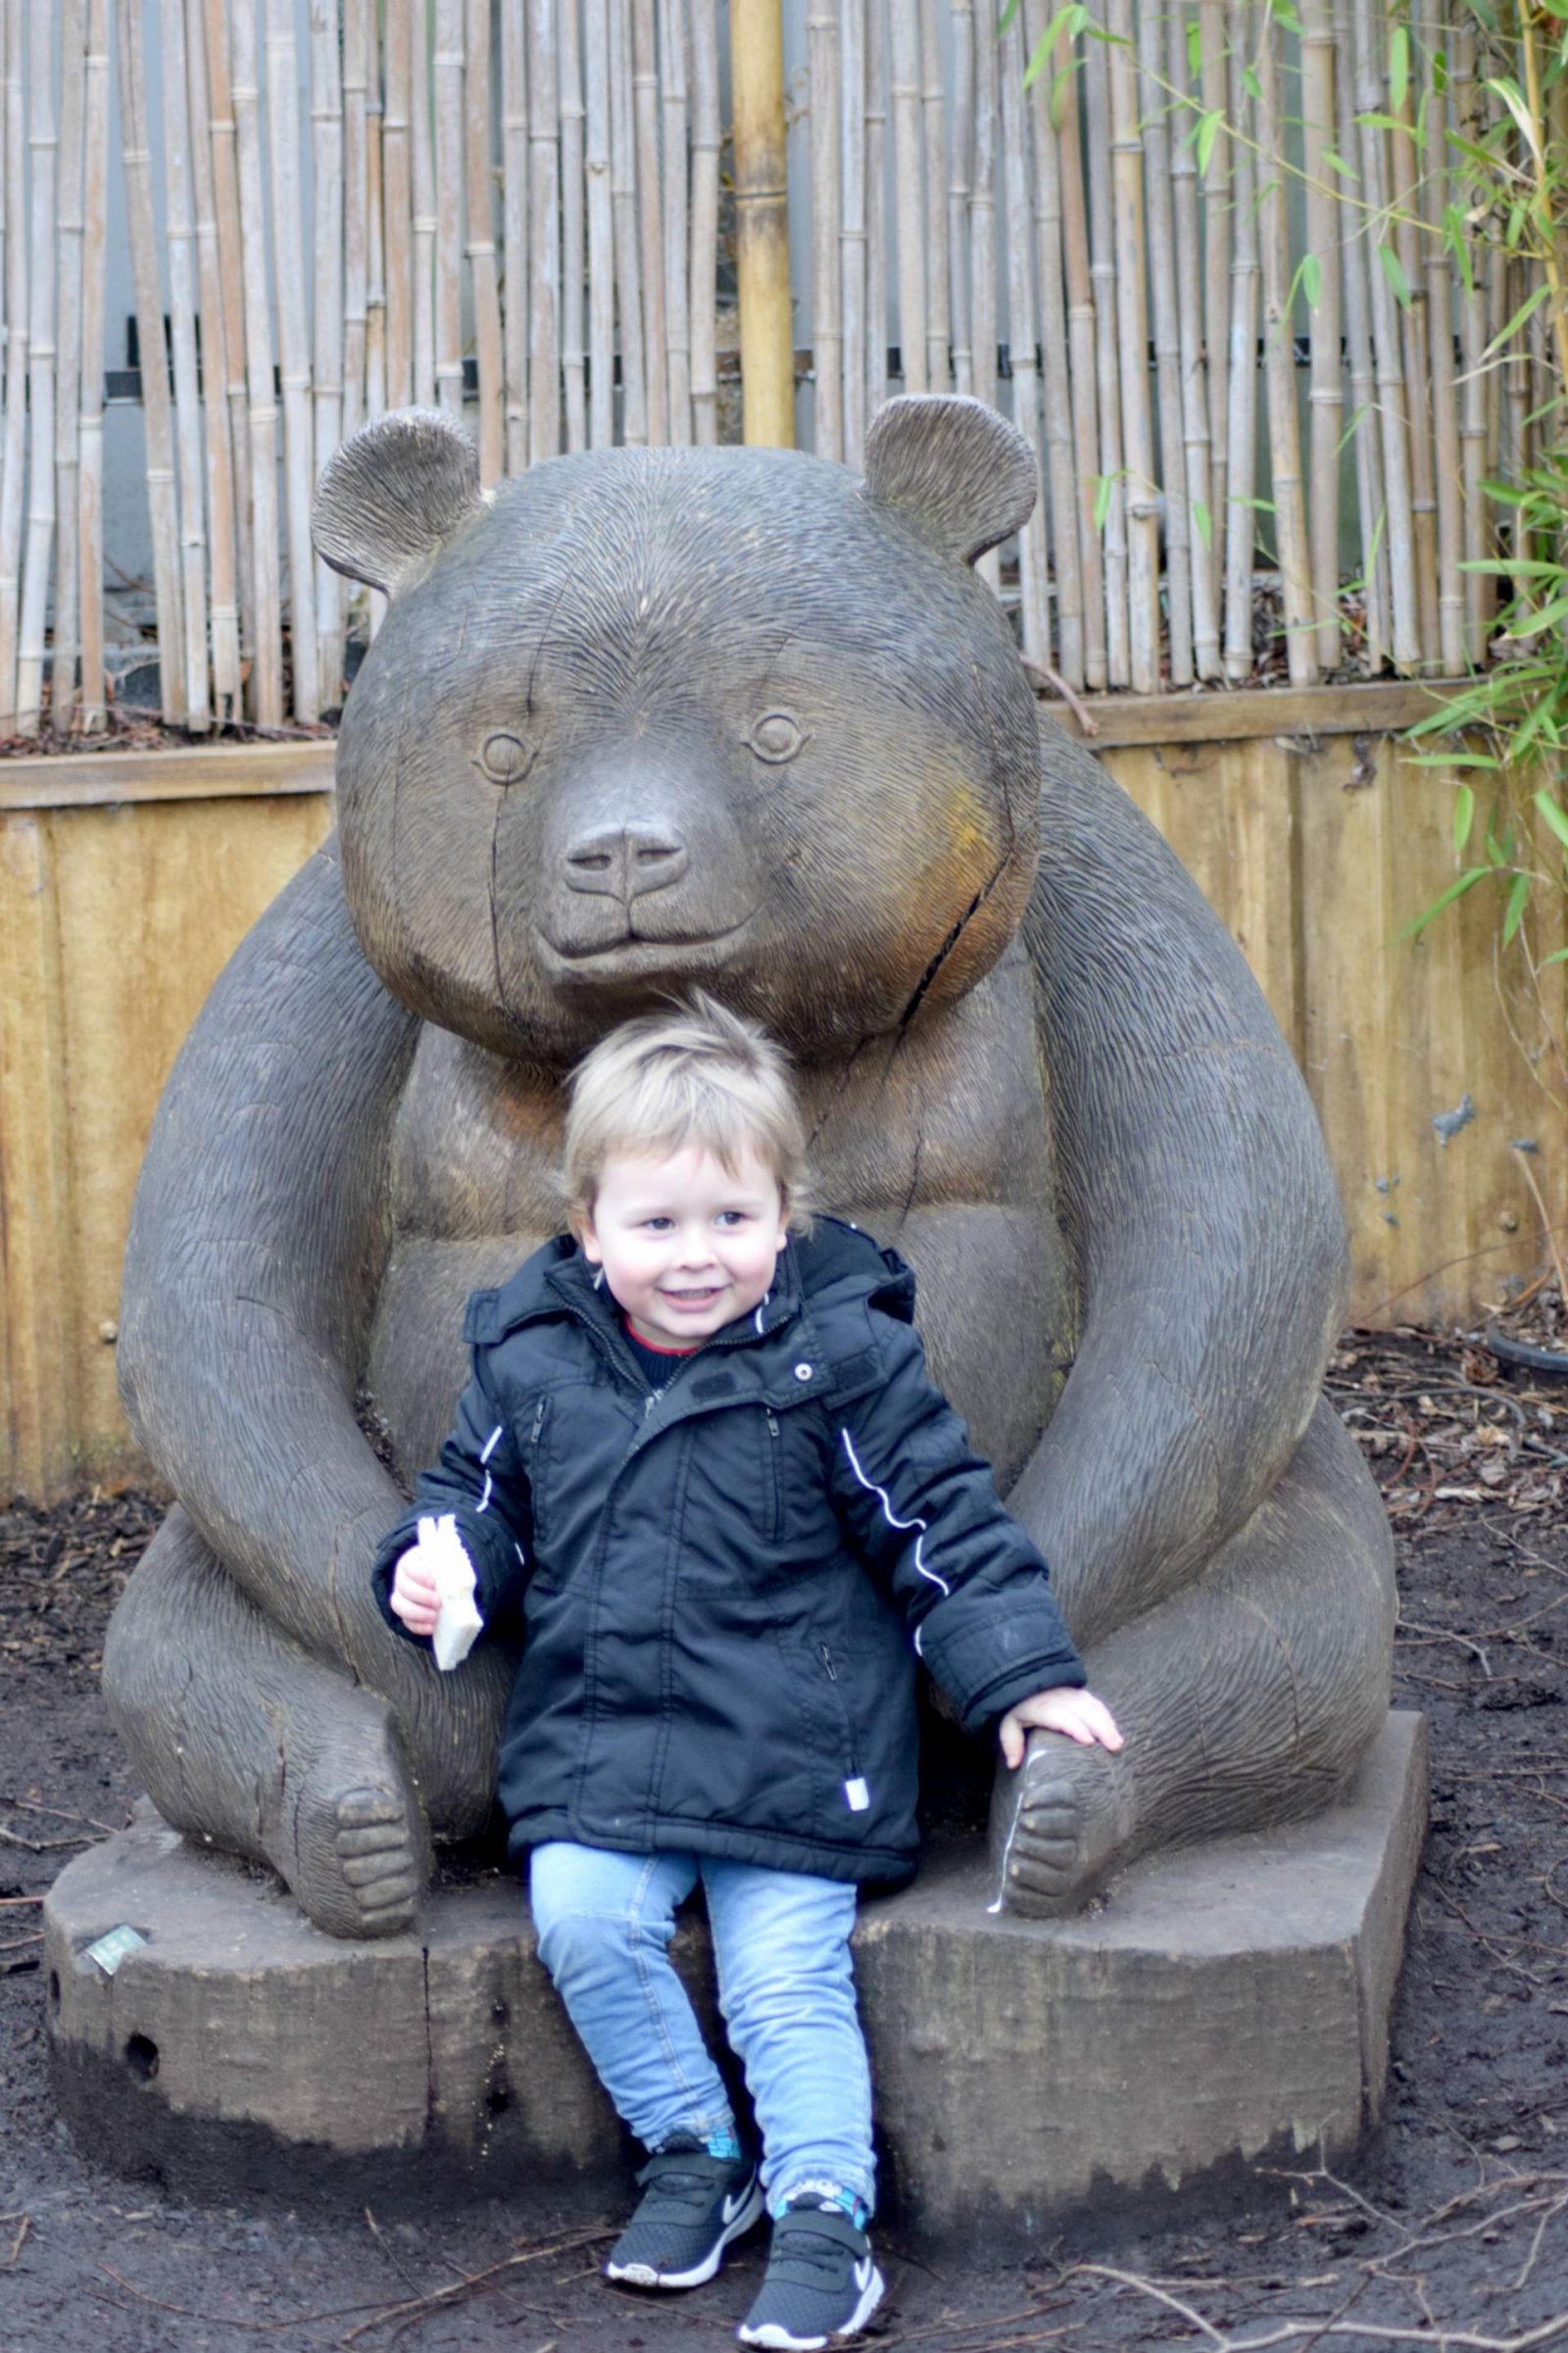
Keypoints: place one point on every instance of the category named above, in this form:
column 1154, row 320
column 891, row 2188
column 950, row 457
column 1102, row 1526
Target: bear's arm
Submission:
column 256, row 1250
column 1198, row 1202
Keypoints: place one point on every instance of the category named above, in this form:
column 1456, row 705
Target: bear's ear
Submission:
column 391, row 497
column 959, row 473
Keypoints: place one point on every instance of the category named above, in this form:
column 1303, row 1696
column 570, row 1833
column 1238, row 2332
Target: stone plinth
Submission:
column 1228, row 2002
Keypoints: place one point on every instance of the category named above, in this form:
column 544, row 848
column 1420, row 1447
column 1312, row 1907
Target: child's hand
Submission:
column 1079, row 1714
column 413, row 1597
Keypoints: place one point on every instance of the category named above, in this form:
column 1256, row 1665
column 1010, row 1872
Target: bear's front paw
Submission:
column 1057, row 1826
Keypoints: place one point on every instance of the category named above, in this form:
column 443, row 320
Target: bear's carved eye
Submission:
column 505, row 757
column 776, row 737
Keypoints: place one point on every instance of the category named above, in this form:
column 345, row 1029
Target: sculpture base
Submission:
column 1229, row 2002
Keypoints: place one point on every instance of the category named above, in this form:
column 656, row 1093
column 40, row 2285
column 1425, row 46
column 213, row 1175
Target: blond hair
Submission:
column 696, row 1075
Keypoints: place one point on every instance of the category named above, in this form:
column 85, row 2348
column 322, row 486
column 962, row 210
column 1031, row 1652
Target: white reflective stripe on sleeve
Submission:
column 891, row 1516
column 491, row 1442
column 484, row 1499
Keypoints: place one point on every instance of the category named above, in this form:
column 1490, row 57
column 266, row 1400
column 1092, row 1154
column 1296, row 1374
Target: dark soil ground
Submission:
column 1451, row 2229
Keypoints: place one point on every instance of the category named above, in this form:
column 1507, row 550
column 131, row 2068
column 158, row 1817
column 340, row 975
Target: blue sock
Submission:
column 724, row 2144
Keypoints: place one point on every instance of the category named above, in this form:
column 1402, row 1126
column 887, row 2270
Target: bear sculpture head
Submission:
column 649, row 718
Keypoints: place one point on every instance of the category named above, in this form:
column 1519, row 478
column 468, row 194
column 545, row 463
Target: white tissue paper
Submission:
column 458, row 1623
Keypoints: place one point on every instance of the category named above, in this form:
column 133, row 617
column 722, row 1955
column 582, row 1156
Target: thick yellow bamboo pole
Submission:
column 762, row 210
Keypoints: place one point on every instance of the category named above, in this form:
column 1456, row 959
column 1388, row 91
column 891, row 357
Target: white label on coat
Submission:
column 857, row 1795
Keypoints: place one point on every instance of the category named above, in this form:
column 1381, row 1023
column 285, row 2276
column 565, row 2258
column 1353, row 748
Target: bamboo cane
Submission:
column 293, row 350
column 483, row 271
column 1196, row 445
column 1160, row 200
column 761, row 226
column 42, row 153
column 214, row 380
column 1414, row 328
column 446, row 85
column 1279, row 363
column 705, row 147
column 1386, row 349
column 1131, row 322
column 827, row 292
column 1478, row 598
column 1516, row 392
column 260, row 399
column 933, row 109
column 397, row 185
column 13, row 482
column 13, row 408
column 156, row 412
column 213, row 50
column 1326, row 397
column 514, row 171
column 1034, row 596
column 375, row 401
column 1103, row 277
column 1448, row 461
column 983, row 230
column 602, row 226
column 1241, row 420
column 628, row 250
column 425, row 222
column 851, row 133
column 358, row 40
column 1082, row 355
column 1218, row 229
column 1057, row 380
column 959, row 173
column 189, row 433
column 72, row 226
column 876, row 221
column 908, row 194
column 544, row 219
column 1356, row 259
column 327, row 284
column 90, row 505
column 568, row 70
column 650, row 219
column 677, row 294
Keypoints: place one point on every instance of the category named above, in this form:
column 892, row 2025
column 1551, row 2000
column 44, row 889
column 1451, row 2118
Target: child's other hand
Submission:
column 413, row 1597
column 1078, row 1714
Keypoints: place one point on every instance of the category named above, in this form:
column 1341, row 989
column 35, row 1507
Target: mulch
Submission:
column 1451, row 2230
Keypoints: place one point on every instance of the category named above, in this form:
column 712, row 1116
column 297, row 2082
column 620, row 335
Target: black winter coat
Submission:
column 719, row 1580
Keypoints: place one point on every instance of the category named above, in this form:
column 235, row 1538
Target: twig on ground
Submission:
column 1289, row 2331
column 16, row 2242
column 472, row 2284
column 28, row 1806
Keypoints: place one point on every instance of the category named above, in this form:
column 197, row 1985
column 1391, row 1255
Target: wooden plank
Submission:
column 1229, row 814
column 36, row 1269
column 217, row 772
column 152, row 898
column 1213, row 717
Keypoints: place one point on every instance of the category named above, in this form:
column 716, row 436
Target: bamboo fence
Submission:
column 1195, row 253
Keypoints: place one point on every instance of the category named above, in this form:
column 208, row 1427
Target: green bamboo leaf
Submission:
column 1194, row 47
column 1104, row 485
column 1513, row 99
column 1204, row 521
column 1546, row 619
column 1398, row 67
column 1464, row 815
column 1252, row 85
column 1518, row 899
column 1005, row 21
column 1310, row 279
column 1456, row 238
column 1337, row 163
column 1376, row 122
column 1208, row 133
column 1455, row 890
column 1069, row 20
column 1558, row 956
column 1394, row 272
column 1552, row 810
column 1527, row 310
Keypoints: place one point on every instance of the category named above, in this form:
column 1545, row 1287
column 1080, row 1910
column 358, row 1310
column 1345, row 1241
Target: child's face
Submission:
column 685, row 1247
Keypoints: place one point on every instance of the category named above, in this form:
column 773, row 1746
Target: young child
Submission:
column 701, row 1446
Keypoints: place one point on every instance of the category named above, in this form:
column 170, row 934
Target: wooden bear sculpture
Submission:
column 647, row 718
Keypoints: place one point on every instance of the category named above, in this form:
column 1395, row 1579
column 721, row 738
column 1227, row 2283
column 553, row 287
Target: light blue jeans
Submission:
column 786, row 1990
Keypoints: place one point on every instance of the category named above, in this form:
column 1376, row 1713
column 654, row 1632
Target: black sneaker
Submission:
column 692, row 2206
column 820, row 2283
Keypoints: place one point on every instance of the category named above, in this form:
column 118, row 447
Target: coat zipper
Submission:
column 832, row 1674
column 775, row 1460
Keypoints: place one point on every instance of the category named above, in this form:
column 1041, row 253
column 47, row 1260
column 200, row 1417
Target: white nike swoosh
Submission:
column 862, row 2274
column 734, row 2203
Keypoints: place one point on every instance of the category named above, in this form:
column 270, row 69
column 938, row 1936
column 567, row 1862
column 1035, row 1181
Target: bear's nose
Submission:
column 625, row 862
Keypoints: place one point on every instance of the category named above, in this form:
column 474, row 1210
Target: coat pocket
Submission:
column 535, row 1446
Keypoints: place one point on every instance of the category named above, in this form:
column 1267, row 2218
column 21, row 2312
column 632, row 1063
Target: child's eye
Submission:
column 655, row 1225
column 732, row 1218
